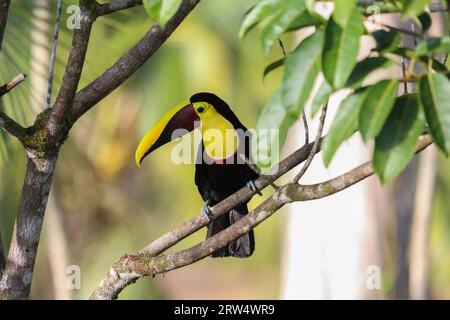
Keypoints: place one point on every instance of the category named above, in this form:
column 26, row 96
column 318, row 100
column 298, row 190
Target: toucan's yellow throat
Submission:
column 218, row 134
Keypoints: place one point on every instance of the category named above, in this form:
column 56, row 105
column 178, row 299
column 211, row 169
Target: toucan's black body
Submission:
column 217, row 181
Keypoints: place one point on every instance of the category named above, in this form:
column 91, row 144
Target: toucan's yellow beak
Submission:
column 175, row 123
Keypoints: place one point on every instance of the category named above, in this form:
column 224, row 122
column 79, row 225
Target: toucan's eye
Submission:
column 200, row 109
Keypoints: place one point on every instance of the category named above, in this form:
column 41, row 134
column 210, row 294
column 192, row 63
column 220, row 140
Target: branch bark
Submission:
column 111, row 7
column 151, row 261
column 17, row 277
column 4, row 8
column 6, row 123
column 43, row 139
column 7, row 87
column 125, row 67
column 74, row 67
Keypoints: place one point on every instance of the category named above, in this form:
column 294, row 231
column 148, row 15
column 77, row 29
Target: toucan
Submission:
column 222, row 164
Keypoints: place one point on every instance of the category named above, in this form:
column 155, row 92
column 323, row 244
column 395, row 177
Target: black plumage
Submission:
column 217, row 181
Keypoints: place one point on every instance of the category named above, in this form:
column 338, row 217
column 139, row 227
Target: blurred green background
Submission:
column 102, row 205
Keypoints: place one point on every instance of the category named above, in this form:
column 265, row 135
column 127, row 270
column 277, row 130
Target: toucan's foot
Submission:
column 206, row 210
column 251, row 184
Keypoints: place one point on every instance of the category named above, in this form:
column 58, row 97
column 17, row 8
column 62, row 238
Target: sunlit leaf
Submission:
column 377, row 106
column 341, row 49
column 345, row 123
column 343, row 11
column 258, row 13
column 306, row 19
column 432, row 46
column 301, row 69
column 273, row 116
column 161, row 10
column 435, row 97
column 280, row 22
column 321, row 97
column 396, row 144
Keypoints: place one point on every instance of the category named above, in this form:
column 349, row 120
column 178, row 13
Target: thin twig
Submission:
column 114, row 6
column 405, row 84
column 7, row 87
column 404, row 31
column 305, row 124
column 315, row 146
column 53, row 56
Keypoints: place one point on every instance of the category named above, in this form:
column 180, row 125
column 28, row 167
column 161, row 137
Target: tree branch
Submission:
column 149, row 261
column 6, row 123
column 7, row 87
column 315, row 146
column 2, row 256
column 74, row 67
column 110, row 7
column 4, row 8
column 125, row 67
column 53, row 57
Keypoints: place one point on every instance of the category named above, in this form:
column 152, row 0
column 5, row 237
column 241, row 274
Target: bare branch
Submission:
column 17, row 277
column 305, row 124
column 125, row 67
column 243, row 195
column 7, row 87
column 315, row 146
column 6, row 123
column 320, row 190
column 110, row 7
column 4, row 8
column 2, row 256
column 10, row 126
column 131, row 267
column 53, row 56
column 74, row 67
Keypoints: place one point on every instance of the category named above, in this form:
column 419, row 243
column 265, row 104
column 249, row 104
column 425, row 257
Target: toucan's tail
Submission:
column 242, row 247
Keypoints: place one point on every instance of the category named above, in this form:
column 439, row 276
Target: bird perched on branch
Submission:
column 222, row 166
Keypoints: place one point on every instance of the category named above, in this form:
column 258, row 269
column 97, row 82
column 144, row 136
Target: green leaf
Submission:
column 273, row 116
column 413, row 7
column 259, row 12
column 280, row 22
column 379, row 102
column 433, row 46
column 408, row 53
column 310, row 4
column 343, row 11
column 345, row 123
column 323, row 93
column 425, row 21
column 396, row 144
column 434, row 92
column 387, row 41
column 301, row 69
column 341, row 49
column 274, row 65
column 161, row 10
column 364, row 67
column 306, row 19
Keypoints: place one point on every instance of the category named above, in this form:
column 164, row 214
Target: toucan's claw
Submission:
column 251, row 184
column 206, row 210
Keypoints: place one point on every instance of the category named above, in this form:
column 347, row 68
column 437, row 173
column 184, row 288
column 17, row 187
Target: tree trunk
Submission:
column 16, row 280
